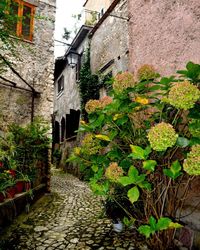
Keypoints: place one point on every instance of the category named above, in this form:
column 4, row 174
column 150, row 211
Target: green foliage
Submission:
column 162, row 224
column 89, row 87
column 174, row 171
column 192, row 72
column 23, row 147
column 145, row 147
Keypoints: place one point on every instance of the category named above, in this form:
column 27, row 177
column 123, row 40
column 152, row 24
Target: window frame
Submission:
column 60, row 84
column 19, row 25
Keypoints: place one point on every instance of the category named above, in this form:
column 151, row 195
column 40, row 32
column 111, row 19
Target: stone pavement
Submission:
column 69, row 218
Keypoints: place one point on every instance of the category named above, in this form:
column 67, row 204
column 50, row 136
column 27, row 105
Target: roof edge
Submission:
column 106, row 14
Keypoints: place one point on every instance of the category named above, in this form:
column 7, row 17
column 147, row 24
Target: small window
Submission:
column 61, row 84
column 23, row 14
column 102, row 12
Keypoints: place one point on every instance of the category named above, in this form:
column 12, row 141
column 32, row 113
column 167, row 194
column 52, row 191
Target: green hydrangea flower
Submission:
column 90, row 145
column 114, row 172
column 123, row 81
column 162, row 136
column 191, row 165
column 146, row 72
column 183, row 95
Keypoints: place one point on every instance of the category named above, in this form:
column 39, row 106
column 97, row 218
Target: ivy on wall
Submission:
column 89, row 84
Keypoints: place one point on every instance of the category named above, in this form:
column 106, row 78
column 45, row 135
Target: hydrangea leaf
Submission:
column 149, row 165
column 133, row 194
column 146, row 230
column 102, row 137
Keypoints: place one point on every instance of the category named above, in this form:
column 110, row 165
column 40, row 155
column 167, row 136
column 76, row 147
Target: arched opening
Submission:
column 62, row 129
column 56, row 134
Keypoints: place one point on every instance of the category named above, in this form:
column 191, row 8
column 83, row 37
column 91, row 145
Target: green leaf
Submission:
column 99, row 189
column 133, row 194
column 152, row 222
column 137, row 152
column 147, row 151
column 146, row 230
column 173, row 225
column 95, row 168
column 98, row 122
column 145, row 184
column 125, row 180
column 194, row 113
column 182, row 142
column 128, row 222
column 194, row 141
column 176, row 167
column 102, row 137
column 174, row 171
column 149, row 165
column 168, row 173
column 133, row 172
column 163, row 224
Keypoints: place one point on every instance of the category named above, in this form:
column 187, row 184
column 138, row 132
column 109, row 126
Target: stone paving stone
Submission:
column 68, row 218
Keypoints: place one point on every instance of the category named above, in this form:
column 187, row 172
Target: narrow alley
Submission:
column 71, row 217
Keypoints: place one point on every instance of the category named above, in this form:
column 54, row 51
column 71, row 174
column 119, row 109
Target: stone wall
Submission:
column 110, row 42
column 35, row 63
column 164, row 33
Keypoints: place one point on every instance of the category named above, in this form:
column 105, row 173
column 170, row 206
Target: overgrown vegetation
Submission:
column 89, row 86
column 141, row 148
column 23, row 153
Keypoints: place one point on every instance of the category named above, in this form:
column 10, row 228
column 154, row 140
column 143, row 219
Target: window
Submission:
column 23, row 14
column 61, row 84
column 62, row 129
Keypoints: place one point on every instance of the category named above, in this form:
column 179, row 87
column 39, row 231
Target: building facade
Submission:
column 164, row 33
column 66, row 91
column 26, row 85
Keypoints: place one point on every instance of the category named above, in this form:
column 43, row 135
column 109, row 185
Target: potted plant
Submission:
column 22, row 182
column 11, row 190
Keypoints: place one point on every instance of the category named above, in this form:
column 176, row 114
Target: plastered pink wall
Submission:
column 164, row 33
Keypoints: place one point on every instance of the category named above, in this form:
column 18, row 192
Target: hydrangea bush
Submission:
column 143, row 141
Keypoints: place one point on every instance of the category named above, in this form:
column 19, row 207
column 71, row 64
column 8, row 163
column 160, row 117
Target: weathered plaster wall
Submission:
column 164, row 33
column 110, row 41
column 69, row 97
column 35, row 63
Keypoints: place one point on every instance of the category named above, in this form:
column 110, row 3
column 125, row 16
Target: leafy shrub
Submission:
column 145, row 147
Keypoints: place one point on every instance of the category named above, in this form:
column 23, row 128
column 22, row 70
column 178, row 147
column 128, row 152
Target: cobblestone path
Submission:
column 69, row 218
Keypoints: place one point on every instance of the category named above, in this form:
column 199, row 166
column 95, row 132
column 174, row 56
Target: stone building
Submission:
column 26, row 87
column 109, row 40
column 66, row 113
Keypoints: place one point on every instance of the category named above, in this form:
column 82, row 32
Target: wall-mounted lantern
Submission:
column 73, row 58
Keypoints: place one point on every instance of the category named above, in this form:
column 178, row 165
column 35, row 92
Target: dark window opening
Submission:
column 61, row 84
column 72, row 123
column 62, row 129
column 56, row 134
